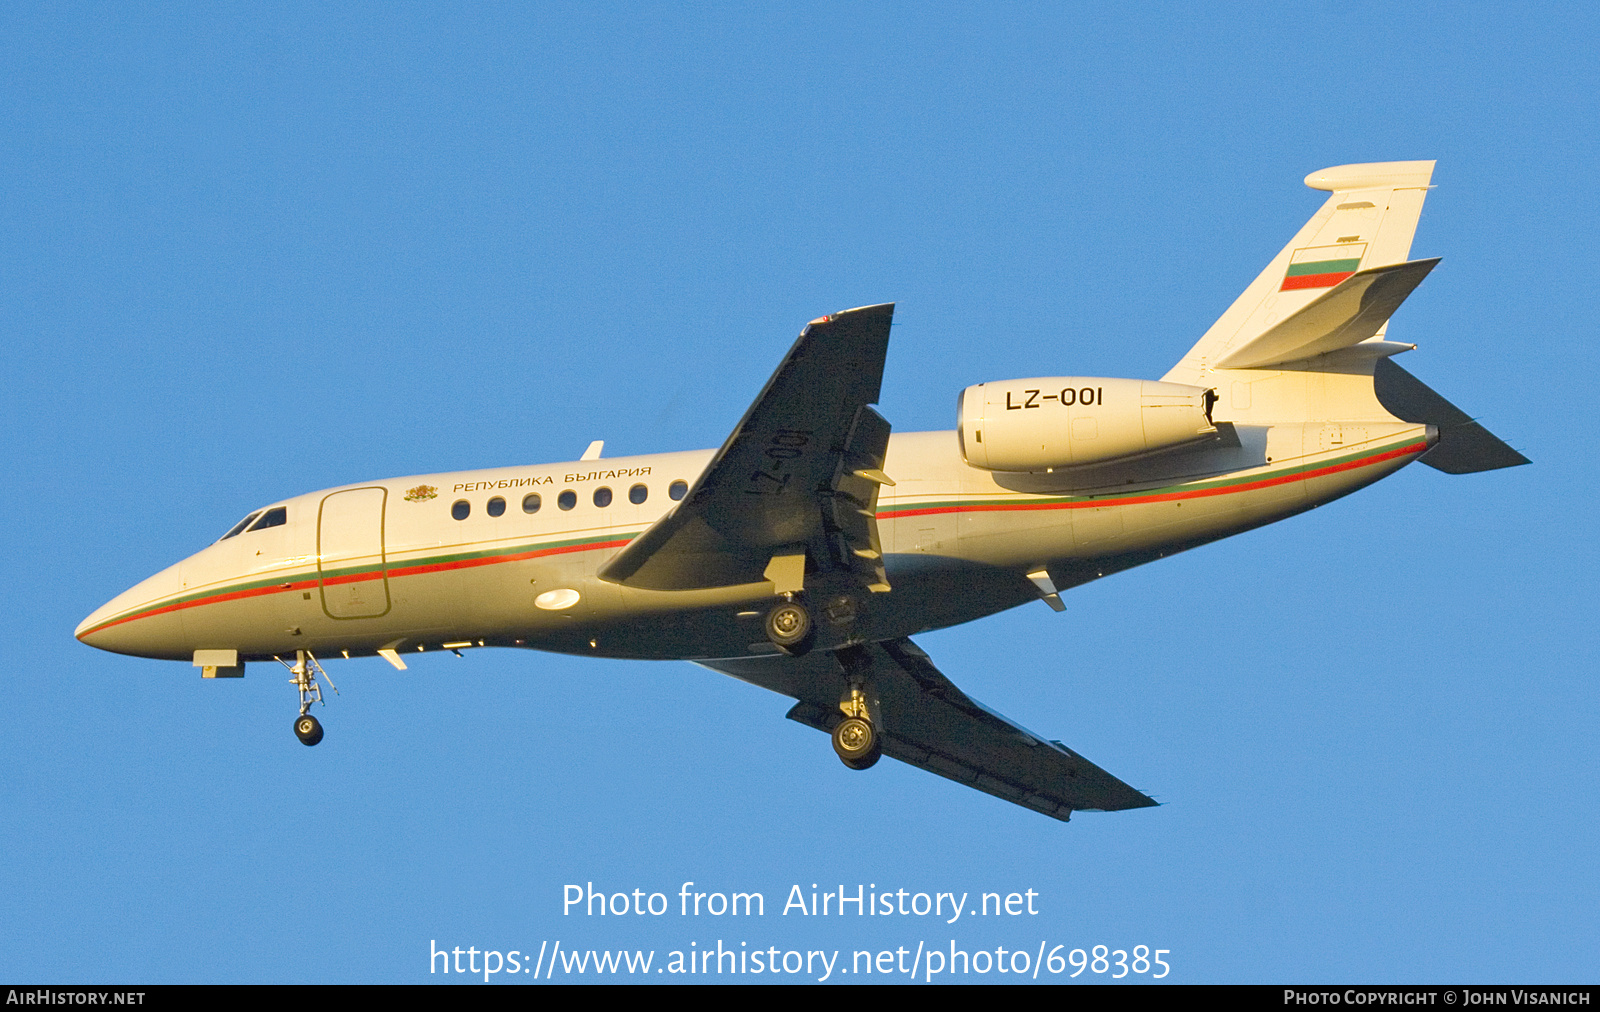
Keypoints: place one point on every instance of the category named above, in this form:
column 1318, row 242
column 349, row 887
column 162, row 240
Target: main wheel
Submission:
column 863, row 764
column 856, row 742
column 789, row 626
column 307, row 729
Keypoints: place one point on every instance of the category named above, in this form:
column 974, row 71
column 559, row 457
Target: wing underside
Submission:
column 797, row 478
column 926, row 721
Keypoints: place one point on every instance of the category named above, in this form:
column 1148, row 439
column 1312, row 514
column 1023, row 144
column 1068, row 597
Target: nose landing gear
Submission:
column 307, row 729
column 305, row 671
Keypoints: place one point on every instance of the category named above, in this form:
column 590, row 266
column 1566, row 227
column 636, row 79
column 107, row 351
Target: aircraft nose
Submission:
column 141, row 620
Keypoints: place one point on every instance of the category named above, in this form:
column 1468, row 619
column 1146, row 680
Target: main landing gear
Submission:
column 789, row 626
column 855, row 738
column 856, row 742
column 305, row 671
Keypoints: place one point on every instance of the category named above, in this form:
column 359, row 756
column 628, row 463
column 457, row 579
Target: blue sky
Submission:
column 246, row 254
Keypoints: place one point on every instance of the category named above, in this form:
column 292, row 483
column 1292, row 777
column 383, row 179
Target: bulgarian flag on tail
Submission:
column 1322, row 266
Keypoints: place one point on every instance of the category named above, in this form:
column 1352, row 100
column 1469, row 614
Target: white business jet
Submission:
column 804, row 553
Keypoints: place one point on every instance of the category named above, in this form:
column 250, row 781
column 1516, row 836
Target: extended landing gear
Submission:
column 855, row 738
column 305, row 671
column 789, row 627
column 856, row 742
column 307, row 729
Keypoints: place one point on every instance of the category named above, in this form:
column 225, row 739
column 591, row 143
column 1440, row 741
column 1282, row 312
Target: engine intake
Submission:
column 1069, row 421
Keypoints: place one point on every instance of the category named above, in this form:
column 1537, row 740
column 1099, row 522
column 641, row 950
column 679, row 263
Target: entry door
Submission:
column 350, row 561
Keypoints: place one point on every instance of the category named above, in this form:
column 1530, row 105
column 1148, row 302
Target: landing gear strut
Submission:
column 789, row 626
column 855, row 738
column 305, row 671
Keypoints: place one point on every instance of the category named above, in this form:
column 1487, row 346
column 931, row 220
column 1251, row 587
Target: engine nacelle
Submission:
column 1069, row 421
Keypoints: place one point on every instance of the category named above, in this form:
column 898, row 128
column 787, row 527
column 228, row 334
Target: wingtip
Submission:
column 886, row 308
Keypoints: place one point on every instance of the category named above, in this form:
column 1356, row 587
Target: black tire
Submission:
column 307, row 729
column 789, row 626
column 856, row 742
column 863, row 764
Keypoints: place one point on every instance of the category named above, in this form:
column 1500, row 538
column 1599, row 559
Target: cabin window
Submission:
column 496, row 506
column 678, row 489
column 638, row 494
column 567, row 499
column 277, row 516
column 602, row 497
column 461, row 510
column 531, row 503
column 241, row 525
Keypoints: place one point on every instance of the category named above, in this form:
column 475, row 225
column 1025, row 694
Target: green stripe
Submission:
column 389, row 563
column 392, row 563
column 1322, row 267
column 1197, row 486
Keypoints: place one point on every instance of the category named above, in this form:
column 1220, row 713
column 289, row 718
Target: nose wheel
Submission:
column 306, row 671
column 307, row 729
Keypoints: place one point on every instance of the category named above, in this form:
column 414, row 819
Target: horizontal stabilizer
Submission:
column 1351, row 312
column 1464, row 446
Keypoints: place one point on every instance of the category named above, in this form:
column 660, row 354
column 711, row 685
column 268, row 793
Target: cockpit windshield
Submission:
column 241, row 525
column 277, row 516
column 260, row 520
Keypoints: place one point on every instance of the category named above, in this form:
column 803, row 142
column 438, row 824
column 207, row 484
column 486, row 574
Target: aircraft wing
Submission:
column 927, row 722
column 798, row 477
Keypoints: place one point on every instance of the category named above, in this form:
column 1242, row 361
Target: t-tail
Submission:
column 1308, row 340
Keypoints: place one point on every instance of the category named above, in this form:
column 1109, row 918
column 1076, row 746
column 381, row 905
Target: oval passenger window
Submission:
column 638, row 494
column 602, row 497
column 530, row 503
column 461, row 509
column 678, row 489
column 567, row 499
column 496, row 506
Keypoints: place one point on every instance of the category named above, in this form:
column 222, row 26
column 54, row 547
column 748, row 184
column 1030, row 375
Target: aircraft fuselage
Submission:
column 389, row 565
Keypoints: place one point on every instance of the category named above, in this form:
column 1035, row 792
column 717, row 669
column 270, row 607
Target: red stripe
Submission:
column 1164, row 497
column 439, row 567
column 1314, row 281
column 398, row 571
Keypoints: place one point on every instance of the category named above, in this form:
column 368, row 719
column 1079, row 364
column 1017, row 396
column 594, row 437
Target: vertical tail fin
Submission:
column 1367, row 221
